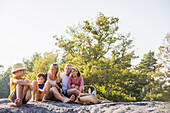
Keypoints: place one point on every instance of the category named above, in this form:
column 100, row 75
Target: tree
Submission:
column 90, row 41
column 29, row 63
column 1, row 69
column 41, row 65
column 157, row 88
column 148, row 62
column 101, row 55
column 122, row 54
column 4, row 81
column 164, row 55
column 161, row 84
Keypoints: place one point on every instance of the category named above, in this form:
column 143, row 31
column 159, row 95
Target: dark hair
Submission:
column 41, row 75
column 78, row 74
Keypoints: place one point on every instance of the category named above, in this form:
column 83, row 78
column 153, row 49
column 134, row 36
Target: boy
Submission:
column 40, row 88
column 20, row 87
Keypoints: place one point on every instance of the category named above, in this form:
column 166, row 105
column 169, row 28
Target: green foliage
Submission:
column 160, row 85
column 1, row 69
column 104, row 59
column 159, row 94
column 164, row 55
column 4, row 81
column 148, row 63
column 89, row 50
column 41, row 64
column 29, row 63
column 90, row 41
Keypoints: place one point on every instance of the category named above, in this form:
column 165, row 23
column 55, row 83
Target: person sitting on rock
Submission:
column 54, row 77
column 20, row 87
column 40, row 88
column 65, row 78
column 76, row 81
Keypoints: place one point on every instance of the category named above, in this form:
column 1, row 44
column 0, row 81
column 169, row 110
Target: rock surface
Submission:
column 115, row 107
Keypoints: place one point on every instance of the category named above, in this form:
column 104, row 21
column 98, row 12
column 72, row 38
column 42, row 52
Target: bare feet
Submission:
column 44, row 100
column 72, row 98
column 16, row 103
column 32, row 100
column 28, row 96
column 104, row 101
column 66, row 100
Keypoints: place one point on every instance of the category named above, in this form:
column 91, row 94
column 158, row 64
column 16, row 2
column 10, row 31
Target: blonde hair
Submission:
column 58, row 74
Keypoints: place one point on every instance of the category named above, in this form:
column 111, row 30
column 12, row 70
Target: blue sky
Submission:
column 27, row 27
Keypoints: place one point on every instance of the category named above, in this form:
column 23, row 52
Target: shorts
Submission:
column 65, row 93
column 14, row 96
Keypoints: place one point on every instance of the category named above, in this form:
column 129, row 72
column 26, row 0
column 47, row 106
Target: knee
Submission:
column 48, row 83
column 34, row 82
column 18, row 85
column 81, row 88
column 76, row 87
column 53, row 89
column 74, row 90
column 26, row 80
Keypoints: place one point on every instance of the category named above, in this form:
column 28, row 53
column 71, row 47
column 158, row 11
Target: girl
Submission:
column 76, row 81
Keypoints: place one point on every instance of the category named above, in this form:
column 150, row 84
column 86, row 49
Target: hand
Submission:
column 45, row 91
column 55, row 85
column 72, row 86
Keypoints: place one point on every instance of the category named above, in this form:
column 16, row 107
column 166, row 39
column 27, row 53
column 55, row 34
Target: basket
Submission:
column 85, row 98
column 86, row 87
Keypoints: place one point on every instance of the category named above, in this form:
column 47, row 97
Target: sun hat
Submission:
column 17, row 67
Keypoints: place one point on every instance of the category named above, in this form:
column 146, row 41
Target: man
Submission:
column 65, row 78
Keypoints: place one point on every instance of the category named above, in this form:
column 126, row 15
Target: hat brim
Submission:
column 18, row 70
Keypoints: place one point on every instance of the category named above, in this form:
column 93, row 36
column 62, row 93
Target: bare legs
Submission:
column 46, row 89
column 81, row 88
column 35, row 91
column 38, row 94
column 73, row 91
column 60, row 96
column 21, row 91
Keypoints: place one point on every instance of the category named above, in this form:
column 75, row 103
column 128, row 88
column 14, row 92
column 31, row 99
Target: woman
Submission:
column 76, row 81
column 53, row 76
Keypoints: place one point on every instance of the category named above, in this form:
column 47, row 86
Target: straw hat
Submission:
column 17, row 67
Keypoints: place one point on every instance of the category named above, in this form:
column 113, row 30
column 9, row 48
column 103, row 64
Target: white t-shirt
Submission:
column 64, row 81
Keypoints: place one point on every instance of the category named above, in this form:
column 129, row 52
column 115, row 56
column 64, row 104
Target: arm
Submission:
column 55, row 85
column 81, row 88
column 69, row 83
column 81, row 82
column 59, row 84
column 21, row 82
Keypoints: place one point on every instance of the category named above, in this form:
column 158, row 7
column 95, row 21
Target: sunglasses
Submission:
column 54, row 64
column 74, row 68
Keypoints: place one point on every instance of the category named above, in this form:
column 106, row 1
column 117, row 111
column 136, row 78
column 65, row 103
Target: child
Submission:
column 76, row 81
column 40, row 88
column 20, row 87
